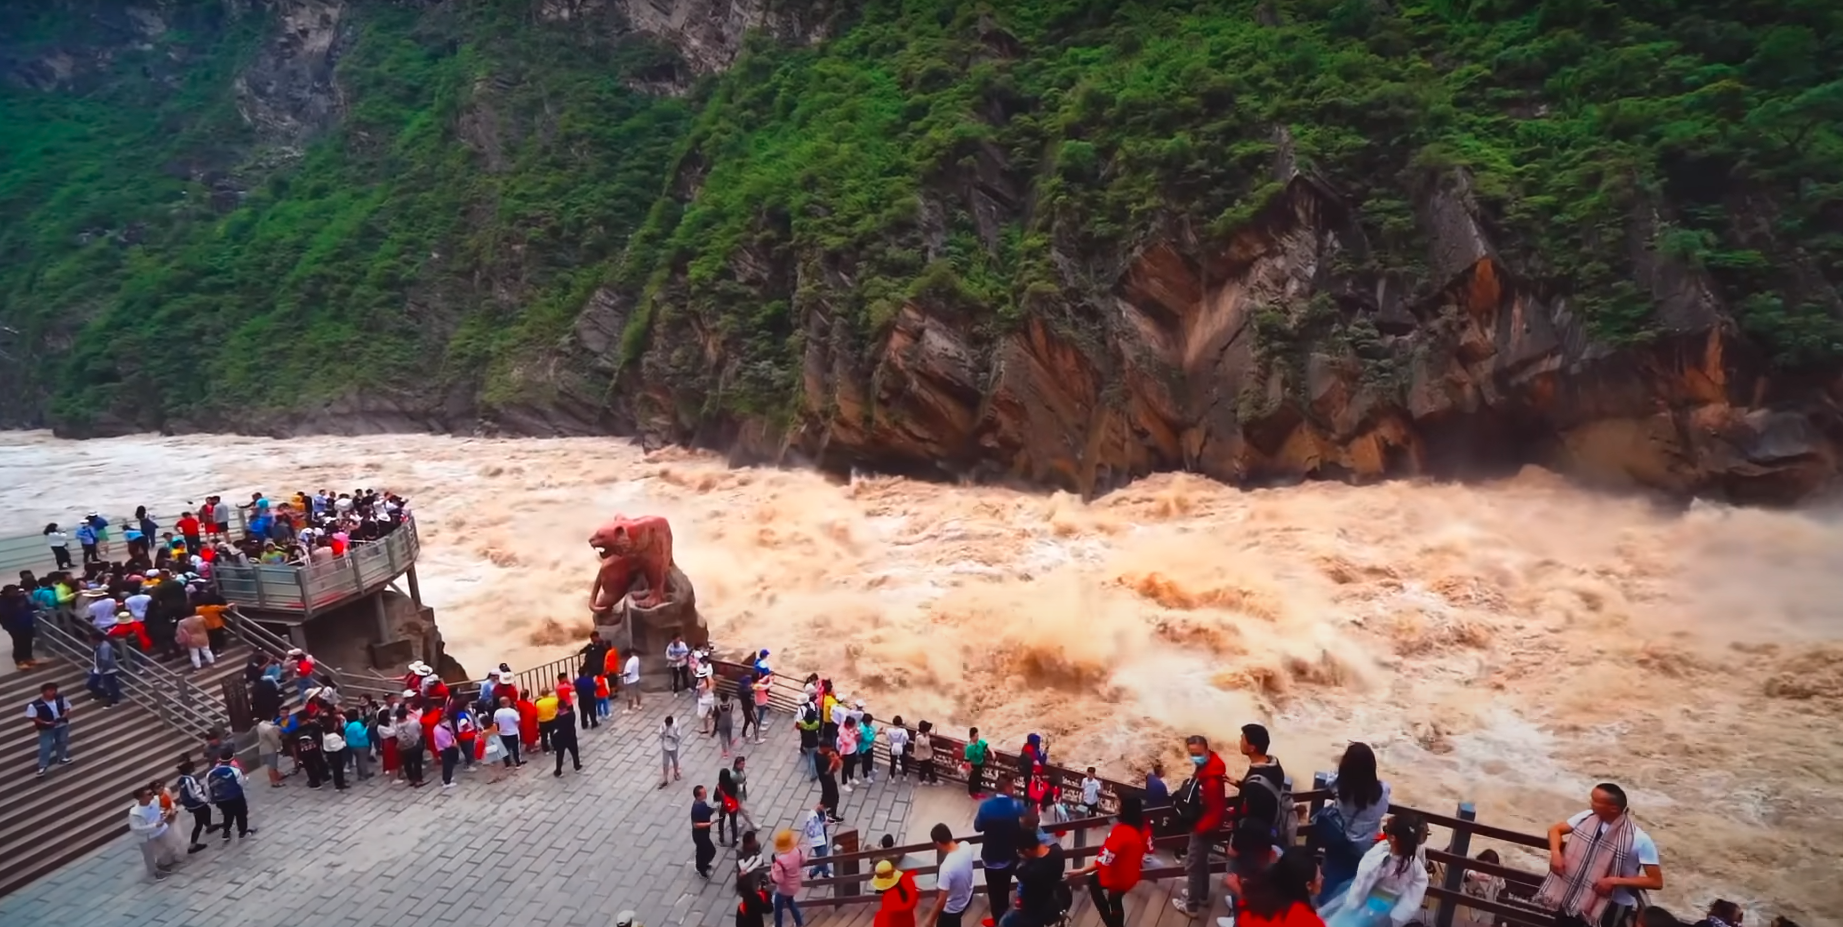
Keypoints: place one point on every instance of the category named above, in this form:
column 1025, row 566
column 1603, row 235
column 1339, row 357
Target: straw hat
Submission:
column 124, row 618
column 886, row 878
column 420, row 668
column 625, row 919
column 784, row 841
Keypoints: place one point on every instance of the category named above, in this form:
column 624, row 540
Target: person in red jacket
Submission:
column 1207, row 794
column 1116, row 870
column 900, row 895
column 527, row 723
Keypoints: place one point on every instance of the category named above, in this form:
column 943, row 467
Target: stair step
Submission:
column 75, row 809
column 108, row 781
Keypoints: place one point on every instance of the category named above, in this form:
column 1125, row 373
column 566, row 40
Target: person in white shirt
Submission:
column 630, row 681
column 898, row 737
column 817, row 840
column 506, row 721
column 678, row 663
column 1392, row 878
column 954, row 877
column 137, row 605
column 149, row 823
column 102, row 614
column 1090, row 794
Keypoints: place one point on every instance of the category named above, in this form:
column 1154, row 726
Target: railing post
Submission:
column 262, row 601
column 1454, row 882
column 1320, row 782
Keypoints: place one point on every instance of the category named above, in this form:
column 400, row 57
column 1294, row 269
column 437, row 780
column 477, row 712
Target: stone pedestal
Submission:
column 648, row 630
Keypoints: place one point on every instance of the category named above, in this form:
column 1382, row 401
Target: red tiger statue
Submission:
column 630, row 549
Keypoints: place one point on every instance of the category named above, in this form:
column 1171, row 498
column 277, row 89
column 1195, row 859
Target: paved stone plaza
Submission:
column 531, row 851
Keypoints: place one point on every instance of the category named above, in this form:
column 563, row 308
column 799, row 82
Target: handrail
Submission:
column 786, row 695
column 307, row 588
column 346, row 681
column 29, row 551
column 177, row 701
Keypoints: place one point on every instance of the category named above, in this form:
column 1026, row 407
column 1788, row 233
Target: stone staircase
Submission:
column 76, row 808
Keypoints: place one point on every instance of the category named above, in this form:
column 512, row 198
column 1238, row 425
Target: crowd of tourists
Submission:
column 1351, row 864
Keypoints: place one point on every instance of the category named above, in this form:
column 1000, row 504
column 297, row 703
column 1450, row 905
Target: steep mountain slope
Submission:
column 1066, row 240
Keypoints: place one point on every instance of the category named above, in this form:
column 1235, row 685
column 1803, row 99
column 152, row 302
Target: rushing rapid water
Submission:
column 1508, row 643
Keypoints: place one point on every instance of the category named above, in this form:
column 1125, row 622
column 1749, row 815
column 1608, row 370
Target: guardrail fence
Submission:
column 174, row 698
column 318, row 586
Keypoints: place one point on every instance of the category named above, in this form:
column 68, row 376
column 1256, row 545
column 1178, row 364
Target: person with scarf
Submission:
column 1598, row 860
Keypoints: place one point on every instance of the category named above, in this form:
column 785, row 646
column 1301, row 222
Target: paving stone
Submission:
column 532, row 849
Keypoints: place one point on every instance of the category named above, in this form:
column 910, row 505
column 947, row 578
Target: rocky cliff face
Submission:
column 1259, row 361
column 1274, row 352
column 707, row 33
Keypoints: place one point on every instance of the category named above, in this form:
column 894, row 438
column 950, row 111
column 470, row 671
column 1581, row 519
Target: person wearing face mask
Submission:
column 1200, row 805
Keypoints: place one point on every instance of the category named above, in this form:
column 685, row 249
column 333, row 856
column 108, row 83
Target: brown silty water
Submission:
column 1507, row 643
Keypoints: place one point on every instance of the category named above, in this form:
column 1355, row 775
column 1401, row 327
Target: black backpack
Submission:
column 191, row 795
column 1187, row 804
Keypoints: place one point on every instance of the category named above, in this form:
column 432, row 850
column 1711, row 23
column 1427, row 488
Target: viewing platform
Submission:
column 293, row 593
column 286, row 595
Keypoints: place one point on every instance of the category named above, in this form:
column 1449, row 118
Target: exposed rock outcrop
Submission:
column 288, row 92
column 708, row 34
column 1258, row 361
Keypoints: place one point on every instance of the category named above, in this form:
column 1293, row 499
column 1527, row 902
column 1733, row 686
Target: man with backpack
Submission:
column 224, row 784
column 1265, row 796
column 1000, row 819
column 1199, row 806
column 192, row 797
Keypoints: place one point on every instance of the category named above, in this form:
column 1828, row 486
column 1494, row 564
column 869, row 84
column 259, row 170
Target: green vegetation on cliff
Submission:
column 997, row 160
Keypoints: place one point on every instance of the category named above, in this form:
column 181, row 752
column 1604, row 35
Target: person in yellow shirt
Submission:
column 214, row 625
column 547, row 717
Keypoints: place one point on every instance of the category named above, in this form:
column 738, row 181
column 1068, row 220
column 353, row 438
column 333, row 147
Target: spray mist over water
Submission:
column 1507, row 643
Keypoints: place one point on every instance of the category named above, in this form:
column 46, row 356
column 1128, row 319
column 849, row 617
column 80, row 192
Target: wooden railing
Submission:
column 1455, row 860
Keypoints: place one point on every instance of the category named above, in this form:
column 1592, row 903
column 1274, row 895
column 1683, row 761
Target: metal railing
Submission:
column 251, row 632
column 176, row 700
column 31, row 552
column 281, row 587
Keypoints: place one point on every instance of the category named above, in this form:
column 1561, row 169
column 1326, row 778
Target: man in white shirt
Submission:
column 137, row 605
column 630, row 680
column 102, row 613
column 1583, row 887
column 954, row 878
column 149, row 823
column 505, row 719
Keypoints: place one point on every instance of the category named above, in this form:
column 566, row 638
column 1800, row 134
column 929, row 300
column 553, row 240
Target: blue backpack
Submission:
column 223, row 785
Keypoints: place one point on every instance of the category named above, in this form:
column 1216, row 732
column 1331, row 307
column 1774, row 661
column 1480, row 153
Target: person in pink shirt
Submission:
column 785, row 873
column 762, row 684
column 448, row 747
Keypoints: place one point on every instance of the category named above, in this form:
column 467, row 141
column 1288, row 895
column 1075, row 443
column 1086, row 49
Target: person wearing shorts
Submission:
column 269, row 745
column 221, row 515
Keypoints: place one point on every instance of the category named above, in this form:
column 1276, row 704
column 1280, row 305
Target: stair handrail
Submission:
column 346, row 681
column 174, row 699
